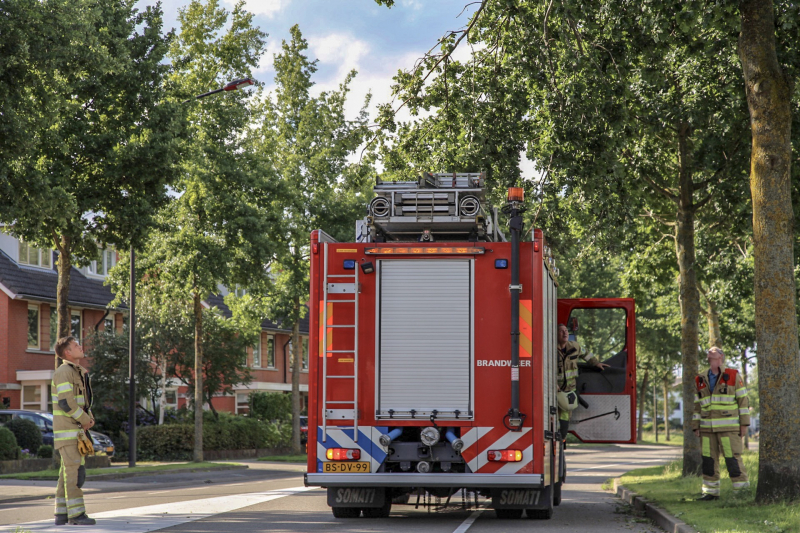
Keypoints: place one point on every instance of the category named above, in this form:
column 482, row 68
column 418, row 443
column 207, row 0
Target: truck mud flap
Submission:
column 356, row 496
column 520, row 498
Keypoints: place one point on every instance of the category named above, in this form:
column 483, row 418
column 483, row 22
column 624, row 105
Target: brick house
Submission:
column 28, row 282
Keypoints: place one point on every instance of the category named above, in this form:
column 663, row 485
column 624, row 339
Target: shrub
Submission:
column 173, row 442
column 271, row 406
column 230, row 432
column 45, row 451
column 8, row 445
column 279, row 435
column 28, row 434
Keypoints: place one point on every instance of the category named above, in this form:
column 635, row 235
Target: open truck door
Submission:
column 606, row 327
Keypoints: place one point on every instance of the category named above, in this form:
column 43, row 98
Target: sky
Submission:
column 374, row 40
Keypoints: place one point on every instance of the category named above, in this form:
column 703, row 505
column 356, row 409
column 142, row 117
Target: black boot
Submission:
column 82, row 520
column 708, row 498
column 61, row 519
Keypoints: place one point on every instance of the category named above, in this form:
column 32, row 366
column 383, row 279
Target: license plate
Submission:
column 350, row 467
column 110, row 449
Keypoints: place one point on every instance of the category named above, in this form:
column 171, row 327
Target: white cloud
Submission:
column 340, row 49
column 268, row 8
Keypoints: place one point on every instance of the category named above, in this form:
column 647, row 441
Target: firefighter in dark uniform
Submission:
column 569, row 353
column 721, row 417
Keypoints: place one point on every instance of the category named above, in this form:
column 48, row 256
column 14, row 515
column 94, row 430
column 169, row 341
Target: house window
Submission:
column 107, row 261
column 171, row 399
column 305, row 353
column 257, row 353
column 108, row 323
column 242, row 403
column 270, row 351
column 53, row 327
column 239, row 292
column 28, row 255
column 32, row 397
column 75, row 328
column 33, row 327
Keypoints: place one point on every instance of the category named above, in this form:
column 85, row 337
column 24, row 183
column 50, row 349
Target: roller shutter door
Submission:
column 425, row 337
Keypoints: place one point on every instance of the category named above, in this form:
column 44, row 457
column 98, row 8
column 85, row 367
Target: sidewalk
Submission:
column 18, row 490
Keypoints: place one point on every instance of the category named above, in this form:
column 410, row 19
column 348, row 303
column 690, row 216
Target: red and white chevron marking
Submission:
column 479, row 440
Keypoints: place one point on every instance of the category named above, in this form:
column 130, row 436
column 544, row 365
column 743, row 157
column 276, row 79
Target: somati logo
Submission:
column 501, row 362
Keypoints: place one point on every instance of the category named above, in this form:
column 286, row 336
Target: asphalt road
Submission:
column 271, row 497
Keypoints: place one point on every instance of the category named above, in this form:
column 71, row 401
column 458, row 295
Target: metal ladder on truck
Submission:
column 338, row 289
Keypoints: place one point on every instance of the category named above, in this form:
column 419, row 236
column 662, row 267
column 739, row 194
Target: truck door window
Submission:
column 601, row 332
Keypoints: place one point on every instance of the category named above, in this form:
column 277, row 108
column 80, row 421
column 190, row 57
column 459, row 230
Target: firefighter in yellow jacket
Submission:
column 721, row 417
column 569, row 352
column 72, row 401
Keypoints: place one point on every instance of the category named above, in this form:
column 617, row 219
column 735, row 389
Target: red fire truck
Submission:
column 433, row 360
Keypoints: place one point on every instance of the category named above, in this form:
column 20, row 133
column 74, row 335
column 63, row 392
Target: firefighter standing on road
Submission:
column 72, row 400
column 721, row 417
column 568, row 354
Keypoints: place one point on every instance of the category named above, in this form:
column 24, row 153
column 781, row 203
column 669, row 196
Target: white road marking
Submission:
column 465, row 525
column 154, row 517
column 569, row 470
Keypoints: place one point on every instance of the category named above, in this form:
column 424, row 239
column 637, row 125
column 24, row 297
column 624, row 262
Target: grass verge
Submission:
column 675, row 438
column 665, row 486
column 53, row 474
column 302, row 458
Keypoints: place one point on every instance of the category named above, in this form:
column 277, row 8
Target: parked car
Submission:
column 43, row 420
column 102, row 443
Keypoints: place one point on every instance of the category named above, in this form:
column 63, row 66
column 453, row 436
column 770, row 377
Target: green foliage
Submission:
column 171, row 442
column 45, row 451
column 88, row 129
column 8, row 445
column 27, row 433
column 311, row 140
column 110, row 358
column 230, row 432
column 224, row 356
column 271, row 406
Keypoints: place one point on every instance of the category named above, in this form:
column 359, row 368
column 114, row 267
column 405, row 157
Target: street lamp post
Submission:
column 230, row 86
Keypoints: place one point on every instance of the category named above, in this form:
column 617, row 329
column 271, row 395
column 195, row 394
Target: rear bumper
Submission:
column 479, row 481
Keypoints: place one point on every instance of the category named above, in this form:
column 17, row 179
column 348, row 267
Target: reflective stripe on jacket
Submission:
column 70, row 388
column 568, row 364
column 723, row 409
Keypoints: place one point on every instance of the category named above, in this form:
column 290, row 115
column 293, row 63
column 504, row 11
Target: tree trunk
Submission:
column 62, row 292
column 641, row 405
column 163, row 398
column 666, row 408
column 714, row 335
column 655, row 411
column 744, row 380
column 769, row 100
column 690, row 303
column 297, row 349
column 198, row 378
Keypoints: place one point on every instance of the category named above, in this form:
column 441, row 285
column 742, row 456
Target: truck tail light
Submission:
column 343, row 454
column 505, row 456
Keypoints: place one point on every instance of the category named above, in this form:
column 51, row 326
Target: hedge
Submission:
column 8, row 445
column 176, row 441
column 27, row 433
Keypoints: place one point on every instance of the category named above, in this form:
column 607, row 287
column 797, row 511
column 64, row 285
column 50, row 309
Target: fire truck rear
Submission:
column 433, row 358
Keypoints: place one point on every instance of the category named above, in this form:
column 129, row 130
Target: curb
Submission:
column 662, row 519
